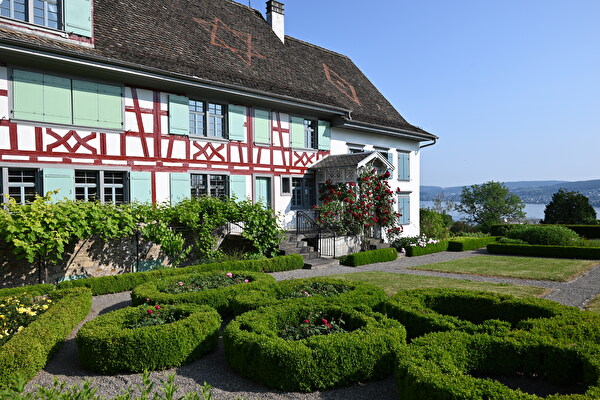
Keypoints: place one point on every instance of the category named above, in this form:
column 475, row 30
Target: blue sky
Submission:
column 511, row 87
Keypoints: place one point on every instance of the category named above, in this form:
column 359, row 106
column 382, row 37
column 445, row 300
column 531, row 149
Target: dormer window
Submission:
column 39, row 12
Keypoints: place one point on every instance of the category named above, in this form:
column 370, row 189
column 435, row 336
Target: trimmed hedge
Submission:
column 423, row 311
column 28, row 351
column 125, row 282
column 106, row 346
column 359, row 294
column 572, row 327
column 547, row 235
column 369, row 257
column 254, row 349
column 219, row 298
column 413, row 251
column 470, row 243
column 33, row 290
column 587, row 231
column 585, row 253
column 454, row 365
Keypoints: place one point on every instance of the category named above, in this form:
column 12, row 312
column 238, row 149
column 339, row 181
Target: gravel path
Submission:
column 229, row 385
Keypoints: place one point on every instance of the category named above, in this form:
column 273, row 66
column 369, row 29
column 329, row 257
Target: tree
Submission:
column 487, row 204
column 569, row 208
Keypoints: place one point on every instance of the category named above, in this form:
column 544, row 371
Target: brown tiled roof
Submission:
column 228, row 43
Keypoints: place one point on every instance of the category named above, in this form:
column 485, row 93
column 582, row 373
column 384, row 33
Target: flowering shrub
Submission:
column 421, row 241
column 18, row 312
column 316, row 289
column 195, row 283
column 153, row 315
column 314, row 324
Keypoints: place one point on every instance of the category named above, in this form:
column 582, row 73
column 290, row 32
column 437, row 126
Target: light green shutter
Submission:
column 298, row 132
column 262, row 192
column 28, row 95
column 85, row 103
column 57, row 100
column 179, row 115
column 60, row 179
column 262, row 126
column 181, row 187
column 403, row 166
column 404, row 209
column 237, row 186
column 78, row 17
column 324, row 137
column 110, row 106
column 140, row 186
column 237, row 121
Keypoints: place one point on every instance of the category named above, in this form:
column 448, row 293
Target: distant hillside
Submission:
column 536, row 192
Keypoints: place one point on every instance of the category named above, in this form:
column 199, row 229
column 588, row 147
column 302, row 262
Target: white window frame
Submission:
column 29, row 14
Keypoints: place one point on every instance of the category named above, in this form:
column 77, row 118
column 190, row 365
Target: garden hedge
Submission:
column 28, row 351
column 357, row 294
column 33, row 290
column 585, row 253
column 423, row 311
column 587, row 231
column 106, row 346
column 470, row 243
column 412, row 251
column 369, row 257
column 219, row 298
column 572, row 327
column 254, row 349
column 457, row 365
column 125, row 282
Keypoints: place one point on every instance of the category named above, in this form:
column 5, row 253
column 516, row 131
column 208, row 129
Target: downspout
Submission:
column 429, row 144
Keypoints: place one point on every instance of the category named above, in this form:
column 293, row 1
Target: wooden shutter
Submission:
column 179, row 115
column 324, row 136
column 403, row 166
column 85, row 103
column 262, row 126
column 237, row 186
column 140, row 186
column 181, row 187
column 404, row 209
column 110, row 106
column 78, row 17
column 297, row 132
column 28, row 95
column 61, row 179
column 237, row 122
column 57, row 100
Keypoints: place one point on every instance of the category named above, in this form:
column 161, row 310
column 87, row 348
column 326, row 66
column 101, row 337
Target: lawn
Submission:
column 392, row 283
column 594, row 305
column 549, row 269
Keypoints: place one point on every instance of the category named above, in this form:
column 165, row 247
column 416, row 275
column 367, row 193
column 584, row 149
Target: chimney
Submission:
column 275, row 18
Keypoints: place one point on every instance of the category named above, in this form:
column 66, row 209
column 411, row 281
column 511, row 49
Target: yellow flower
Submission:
column 45, row 307
column 22, row 310
column 2, row 316
column 31, row 313
column 20, row 329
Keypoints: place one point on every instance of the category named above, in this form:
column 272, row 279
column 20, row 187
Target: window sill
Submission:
column 305, row 149
column 209, row 138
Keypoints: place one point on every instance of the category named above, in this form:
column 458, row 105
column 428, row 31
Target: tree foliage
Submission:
column 434, row 224
column 568, row 207
column 489, row 203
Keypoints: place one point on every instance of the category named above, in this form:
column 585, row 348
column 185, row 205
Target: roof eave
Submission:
column 384, row 130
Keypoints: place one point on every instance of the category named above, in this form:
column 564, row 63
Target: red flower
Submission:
column 150, row 312
column 306, row 321
column 324, row 321
column 157, row 307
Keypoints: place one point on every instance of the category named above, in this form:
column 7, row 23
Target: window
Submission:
column 355, row 148
column 60, row 100
column 21, row 184
column 209, row 185
column 113, row 183
column 286, row 185
column 206, row 119
column 86, row 185
column 303, row 192
column 310, row 141
column 40, row 12
column 404, row 208
column 403, row 166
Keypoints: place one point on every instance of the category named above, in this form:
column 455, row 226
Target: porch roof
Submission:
column 355, row 160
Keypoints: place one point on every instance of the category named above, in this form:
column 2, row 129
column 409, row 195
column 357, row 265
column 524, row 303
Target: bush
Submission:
column 423, row 311
column 347, row 293
column 219, row 298
column 572, row 327
column 454, row 365
column 505, row 240
column 569, row 207
column 463, row 227
column 544, row 235
column 585, row 253
column 33, row 290
column 107, row 345
column 369, row 257
column 254, row 349
column 433, row 224
column 125, row 282
column 587, row 231
column 413, row 251
column 470, row 243
column 29, row 350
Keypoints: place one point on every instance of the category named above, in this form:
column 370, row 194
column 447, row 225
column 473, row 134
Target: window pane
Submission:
column 21, row 185
column 198, row 183
column 86, row 185
column 309, row 134
column 218, row 185
column 114, row 190
column 196, row 117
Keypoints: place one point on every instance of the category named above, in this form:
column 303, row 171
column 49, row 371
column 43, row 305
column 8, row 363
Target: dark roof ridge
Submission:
column 335, row 53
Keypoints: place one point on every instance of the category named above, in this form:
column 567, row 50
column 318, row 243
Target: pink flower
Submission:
column 246, row 281
column 147, row 299
column 180, row 283
column 324, row 321
column 229, row 274
column 157, row 307
column 306, row 321
column 150, row 312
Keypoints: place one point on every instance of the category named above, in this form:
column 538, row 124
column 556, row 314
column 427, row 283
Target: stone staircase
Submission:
column 375, row 244
column 297, row 244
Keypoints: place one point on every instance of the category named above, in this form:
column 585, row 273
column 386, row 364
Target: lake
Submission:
column 533, row 211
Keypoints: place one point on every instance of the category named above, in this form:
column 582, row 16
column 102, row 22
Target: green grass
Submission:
column 594, row 305
column 392, row 283
column 549, row 269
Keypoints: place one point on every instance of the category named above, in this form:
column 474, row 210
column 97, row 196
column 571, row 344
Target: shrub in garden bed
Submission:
column 456, row 365
column 429, row 248
column 28, row 351
column 584, row 253
column 552, row 235
column 369, row 257
column 470, row 243
column 261, row 345
column 215, row 289
column 148, row 337
column 572, row 327
column 32, row 290
column 125, row 282
column 338, row 291
column 423, row 311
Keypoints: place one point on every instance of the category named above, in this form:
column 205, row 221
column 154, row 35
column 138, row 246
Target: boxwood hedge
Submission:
column 34, row 290
column 107, row 346
column 585, row 253
column 348, row 293
column 574, row 326
column 219, row 298
column 456, row 365
column 413, row 251
column 470, row 243
column 369, row 257
column 28, row 351
column 423, row 311
column 254, row 349
column 125, row 282
column 587, row 231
